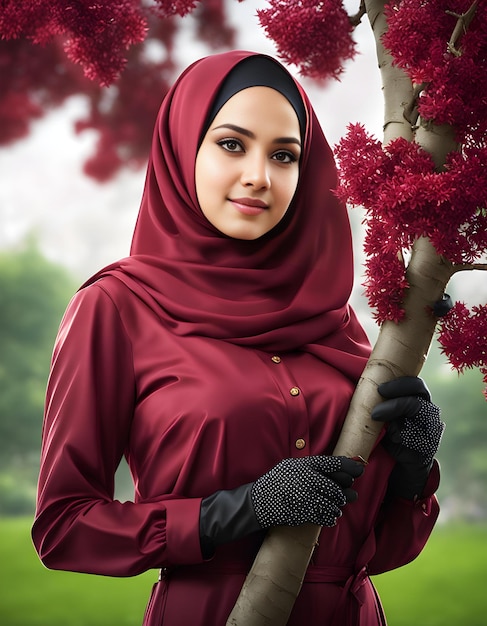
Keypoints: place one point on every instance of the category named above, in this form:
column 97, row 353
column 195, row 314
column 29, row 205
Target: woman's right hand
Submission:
column 296, row 491
column 305, row 490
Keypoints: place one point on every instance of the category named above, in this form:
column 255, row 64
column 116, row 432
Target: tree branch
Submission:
column 438, row 140
column 397, row 87
column 357, row 18
column 469, row 267
column 411, row 113
column 461, row 27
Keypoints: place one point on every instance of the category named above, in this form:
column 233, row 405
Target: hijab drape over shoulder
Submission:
column 287, row 290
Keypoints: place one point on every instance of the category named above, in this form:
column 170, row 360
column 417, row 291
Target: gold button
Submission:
column 294, row 391
column 300, row 444
column 276, row 359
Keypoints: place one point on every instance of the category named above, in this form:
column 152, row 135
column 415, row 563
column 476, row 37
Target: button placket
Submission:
column 298, row 421
column 300, row 425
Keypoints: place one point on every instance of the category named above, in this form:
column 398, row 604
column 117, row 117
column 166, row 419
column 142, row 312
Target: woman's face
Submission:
column 247, row 167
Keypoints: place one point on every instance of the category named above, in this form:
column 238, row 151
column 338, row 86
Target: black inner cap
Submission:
column 258, row 71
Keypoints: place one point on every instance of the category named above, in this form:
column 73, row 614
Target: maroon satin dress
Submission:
column 194, row 415
column 205, row 361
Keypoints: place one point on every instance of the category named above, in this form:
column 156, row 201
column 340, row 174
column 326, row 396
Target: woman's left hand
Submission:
column 414, row 430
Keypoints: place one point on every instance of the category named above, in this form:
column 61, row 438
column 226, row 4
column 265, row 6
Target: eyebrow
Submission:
column 251, row 135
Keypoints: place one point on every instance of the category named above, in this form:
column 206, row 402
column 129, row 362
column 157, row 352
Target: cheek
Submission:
column 288, row 188
column 208, row 175
column 202, row 179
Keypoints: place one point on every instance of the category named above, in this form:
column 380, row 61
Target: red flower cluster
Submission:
column 455, row 76
column 316, row 36
column 405, row 198
column 168, row 8
column 35, row 79
column 31, row 81
column 212, row 26
column 97, row 35
column 124, row 116
column 385, row 282
column 463, row 338
column 210, row 16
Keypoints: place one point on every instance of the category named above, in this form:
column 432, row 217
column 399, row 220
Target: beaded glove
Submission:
column 310, row 489
column 306, row 490
column 414, row 431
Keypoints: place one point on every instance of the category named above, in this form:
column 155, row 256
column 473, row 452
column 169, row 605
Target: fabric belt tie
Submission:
column 353, row 584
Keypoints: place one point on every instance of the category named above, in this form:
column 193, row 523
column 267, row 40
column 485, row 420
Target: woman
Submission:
column 220, row 358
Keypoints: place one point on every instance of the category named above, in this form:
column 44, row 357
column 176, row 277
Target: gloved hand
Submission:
column 307, row 490
column 414, row 431
column 296, row 491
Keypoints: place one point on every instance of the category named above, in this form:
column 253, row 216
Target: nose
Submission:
column 255, row 172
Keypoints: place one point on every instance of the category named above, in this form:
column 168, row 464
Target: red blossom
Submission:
column 99, row 38
column 106, row 161
column 385, row 283
column 100, row 34
column 32, row 80
column 96, row 35
column 124, row 115
column 463, row 338
column 462, row 237
column 455, row 81
column 316, row 36
column 212, row 26
column 16, row 112
column 32, row 17
column 362, row 163
column 405, row 198
column 168, row 8
column 36, row 79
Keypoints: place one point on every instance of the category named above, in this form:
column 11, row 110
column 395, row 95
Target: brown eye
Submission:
column 230, row 145
column 283, row 156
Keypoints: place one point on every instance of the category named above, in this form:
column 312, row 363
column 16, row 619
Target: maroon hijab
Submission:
column 287, row 290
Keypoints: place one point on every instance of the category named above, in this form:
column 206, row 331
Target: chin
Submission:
column 245, row 236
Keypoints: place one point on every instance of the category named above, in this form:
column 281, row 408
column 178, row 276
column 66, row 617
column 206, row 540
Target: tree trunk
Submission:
column 276, row 577
column 397, row 88
column 274, row 582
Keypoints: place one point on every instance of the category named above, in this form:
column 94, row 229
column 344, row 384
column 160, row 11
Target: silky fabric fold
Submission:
column 287, row 290
column 205, row 360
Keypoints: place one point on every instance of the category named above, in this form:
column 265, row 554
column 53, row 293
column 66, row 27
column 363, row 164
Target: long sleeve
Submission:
column 404, row 527
column 88, row 418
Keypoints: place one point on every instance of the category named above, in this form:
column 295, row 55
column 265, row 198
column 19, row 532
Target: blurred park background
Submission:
column 58, row 227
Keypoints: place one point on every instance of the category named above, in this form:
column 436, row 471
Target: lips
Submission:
column 255, row 202
column 249, row 206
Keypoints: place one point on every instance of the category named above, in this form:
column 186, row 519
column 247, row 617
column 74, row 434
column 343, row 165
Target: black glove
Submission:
column 226, row 516
column 296, row 491
column 414, row 432
column 307, row 490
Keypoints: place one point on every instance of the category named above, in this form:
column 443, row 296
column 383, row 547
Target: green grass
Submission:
column 31, row 595
column 445, row 586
